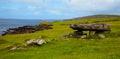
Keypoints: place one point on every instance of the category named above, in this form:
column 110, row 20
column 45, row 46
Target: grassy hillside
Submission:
column 98, row 16
column 71, row 48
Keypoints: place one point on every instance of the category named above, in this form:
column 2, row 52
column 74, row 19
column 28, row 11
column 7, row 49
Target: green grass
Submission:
column 59, row 48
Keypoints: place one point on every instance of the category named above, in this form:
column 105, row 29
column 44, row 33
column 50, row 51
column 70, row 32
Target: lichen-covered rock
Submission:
column 30, row 42
column 92, row 27
column 40, row 41
column 35, row 42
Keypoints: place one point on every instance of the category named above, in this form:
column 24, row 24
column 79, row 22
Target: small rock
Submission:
column 92, row 39
column 65, row 36
column 83, row 36
column 13, row 48
column 40, row 41
column 101, row 36
column 30, row 42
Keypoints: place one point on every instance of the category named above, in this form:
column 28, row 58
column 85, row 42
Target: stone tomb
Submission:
column 92, row 28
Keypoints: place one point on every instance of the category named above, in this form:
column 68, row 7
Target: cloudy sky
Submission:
column 56, row 9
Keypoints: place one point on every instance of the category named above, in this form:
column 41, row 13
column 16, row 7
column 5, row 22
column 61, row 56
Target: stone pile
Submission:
column 28, row 43
column 93, row 29
column 35, row 42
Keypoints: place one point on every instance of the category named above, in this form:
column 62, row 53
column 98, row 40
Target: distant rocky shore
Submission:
column 27, row 29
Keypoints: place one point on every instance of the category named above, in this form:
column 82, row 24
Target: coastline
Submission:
column 16, row 24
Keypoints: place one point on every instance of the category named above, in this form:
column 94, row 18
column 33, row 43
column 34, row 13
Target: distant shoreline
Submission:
column 6, row 24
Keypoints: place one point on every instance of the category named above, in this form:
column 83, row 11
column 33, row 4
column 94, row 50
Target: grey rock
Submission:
column 40, row 41
column 101, row 36
column 13, row 48
column 91, row 32
column 65, row 36
column 30, row 42
column 83, row 36
column 92, row 27
column 35, row 42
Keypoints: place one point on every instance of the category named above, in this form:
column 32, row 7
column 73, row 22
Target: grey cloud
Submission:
column 93, row 5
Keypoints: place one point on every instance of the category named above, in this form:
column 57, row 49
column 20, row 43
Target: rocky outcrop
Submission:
column 27, row 29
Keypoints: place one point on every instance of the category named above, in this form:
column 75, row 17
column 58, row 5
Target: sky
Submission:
column 56, row 9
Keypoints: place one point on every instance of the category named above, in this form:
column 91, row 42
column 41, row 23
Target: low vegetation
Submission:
column 69, row 48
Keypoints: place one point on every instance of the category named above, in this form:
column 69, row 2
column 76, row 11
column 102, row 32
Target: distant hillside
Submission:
column 97, row 16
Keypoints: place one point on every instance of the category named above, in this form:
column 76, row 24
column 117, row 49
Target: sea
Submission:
column 14, row 23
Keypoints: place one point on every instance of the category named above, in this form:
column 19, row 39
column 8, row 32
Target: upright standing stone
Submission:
column 91, row 32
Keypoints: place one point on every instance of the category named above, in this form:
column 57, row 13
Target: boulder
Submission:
column 30, row 42
column 40, row 41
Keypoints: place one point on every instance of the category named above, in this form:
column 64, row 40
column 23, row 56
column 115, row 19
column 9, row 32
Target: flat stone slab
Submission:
column 90, row 27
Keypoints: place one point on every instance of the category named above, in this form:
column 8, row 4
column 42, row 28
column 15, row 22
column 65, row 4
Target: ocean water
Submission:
column 12, row 23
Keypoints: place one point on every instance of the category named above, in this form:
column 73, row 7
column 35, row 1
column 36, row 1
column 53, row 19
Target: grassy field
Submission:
column 71, row 48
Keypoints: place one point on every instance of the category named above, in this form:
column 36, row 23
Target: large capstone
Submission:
column 90, row 27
